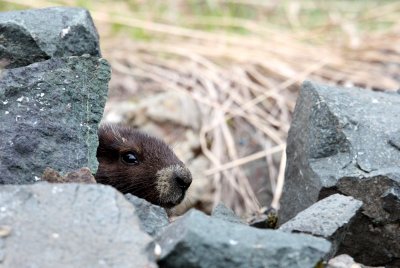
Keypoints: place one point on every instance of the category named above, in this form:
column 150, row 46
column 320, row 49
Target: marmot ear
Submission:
column 107, row 142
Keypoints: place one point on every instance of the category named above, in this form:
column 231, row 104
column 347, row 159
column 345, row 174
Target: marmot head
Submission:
column 136, row 163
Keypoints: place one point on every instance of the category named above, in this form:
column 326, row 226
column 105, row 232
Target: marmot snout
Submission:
column 136, row 163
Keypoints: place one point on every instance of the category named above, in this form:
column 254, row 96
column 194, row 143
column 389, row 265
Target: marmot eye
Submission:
column 129, row 158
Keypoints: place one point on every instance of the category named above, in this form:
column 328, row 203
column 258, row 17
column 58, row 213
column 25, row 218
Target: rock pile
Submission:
column 53, row 92
column 329, row 218
column 342, row 175
column 197, row 240
column 345, row 140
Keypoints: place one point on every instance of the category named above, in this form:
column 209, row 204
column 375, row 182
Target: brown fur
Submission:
column 157, row 175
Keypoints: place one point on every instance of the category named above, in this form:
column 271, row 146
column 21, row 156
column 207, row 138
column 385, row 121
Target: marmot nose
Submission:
column 183, row 181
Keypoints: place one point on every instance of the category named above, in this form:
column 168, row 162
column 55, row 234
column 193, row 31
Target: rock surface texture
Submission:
column 69, row 225
column 197, row 240
column 224, row 213
column 50, row 113
column 152, row 218
column 30, row 36
column 345, row 261
column 329, row 218
column 343, row 140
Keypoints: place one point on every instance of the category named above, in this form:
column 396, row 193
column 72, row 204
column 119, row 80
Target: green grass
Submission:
column 312, row 14
column 4, row 6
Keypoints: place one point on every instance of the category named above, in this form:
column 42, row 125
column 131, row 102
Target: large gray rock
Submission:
column 49, row 114
column 70, row 225
column 153, row 219
column 344, row 141
column 30, row 36
column 329, row 218
column 197, row 240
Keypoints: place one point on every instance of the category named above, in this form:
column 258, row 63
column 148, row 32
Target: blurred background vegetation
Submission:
column 241, row 62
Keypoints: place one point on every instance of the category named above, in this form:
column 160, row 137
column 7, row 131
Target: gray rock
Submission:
column 343, row 141
column 70, row 225
column 376, row 191
column 343, row 261
column 373, row 238
column 152, row 218
column 172, row 107
column 30, row 36
column 197, row 240
column 329, row 218
column 391, row 202
column 346, row 261
column 49, row 113
column 224, row 213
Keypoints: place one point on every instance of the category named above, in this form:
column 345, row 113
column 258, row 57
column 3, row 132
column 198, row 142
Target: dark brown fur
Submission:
column 158, row 176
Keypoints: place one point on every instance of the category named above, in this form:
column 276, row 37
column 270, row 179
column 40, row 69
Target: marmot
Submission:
column 134, row 162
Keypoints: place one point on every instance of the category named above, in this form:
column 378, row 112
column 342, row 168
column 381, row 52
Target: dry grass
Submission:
column 247, row 71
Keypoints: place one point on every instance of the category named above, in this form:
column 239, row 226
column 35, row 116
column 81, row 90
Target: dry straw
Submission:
column 249, row 80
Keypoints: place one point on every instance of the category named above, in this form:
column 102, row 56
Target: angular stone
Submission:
column 375, row 191
column 153, row 219
column 70, row 225
column 344, row 141
column 373, row 238
column 197, row 240
column 337, row 133
column 391, row 202
column 329, row 218
column 30, row 36
column 346, row 261
column 223, row 213
column 50, row 113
